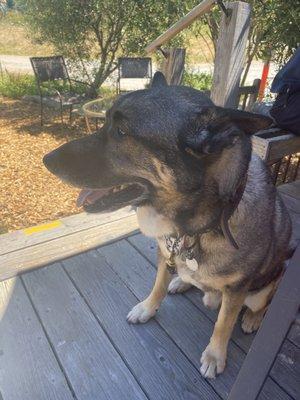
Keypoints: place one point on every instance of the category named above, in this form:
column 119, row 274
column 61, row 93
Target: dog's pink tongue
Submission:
column 90, row 196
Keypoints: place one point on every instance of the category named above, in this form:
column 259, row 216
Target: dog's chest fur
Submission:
column 157, row 226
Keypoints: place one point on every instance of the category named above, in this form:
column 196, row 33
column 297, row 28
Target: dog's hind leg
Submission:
column 212, row 299
column 257, row 304
column 177, row 285
column 213, row 358
column 251, row 320
column 146, row 309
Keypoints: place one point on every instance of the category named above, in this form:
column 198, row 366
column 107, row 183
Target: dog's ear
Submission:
column 216, row 128
column 158, row 80
column 248, row 122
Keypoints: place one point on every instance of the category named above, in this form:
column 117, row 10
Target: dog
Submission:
column 188, row 167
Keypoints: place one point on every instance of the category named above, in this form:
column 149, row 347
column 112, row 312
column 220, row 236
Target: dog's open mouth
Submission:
column 111, row 198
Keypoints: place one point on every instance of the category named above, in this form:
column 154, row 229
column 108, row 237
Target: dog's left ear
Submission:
column 248, row 122
column 216, row 128
column 158, row 80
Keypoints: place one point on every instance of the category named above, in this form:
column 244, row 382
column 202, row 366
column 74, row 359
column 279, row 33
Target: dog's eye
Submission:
column 121, row 132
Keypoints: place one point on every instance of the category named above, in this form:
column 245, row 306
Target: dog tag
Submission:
column 192, row 264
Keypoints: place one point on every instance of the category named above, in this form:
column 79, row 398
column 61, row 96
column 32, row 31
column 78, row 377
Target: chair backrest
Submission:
column 49, row 68
column 131, row 67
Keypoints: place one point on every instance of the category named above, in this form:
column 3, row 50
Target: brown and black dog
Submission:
column 188, row 168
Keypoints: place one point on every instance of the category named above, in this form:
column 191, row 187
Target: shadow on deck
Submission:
column 64, row 333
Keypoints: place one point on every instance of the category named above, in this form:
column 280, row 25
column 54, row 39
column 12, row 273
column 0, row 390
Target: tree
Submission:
column 85, row 30
column 274, row 30
column 10, row 3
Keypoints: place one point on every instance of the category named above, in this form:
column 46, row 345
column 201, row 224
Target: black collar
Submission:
column 230, row 208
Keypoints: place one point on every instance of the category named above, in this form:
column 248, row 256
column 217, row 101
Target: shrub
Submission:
column 200, row 81
column 16, row 85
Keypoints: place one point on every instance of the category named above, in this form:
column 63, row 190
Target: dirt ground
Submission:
column 29, row 194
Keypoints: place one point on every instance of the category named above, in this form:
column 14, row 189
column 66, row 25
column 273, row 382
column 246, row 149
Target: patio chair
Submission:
column 49, row 69
column 133, row 68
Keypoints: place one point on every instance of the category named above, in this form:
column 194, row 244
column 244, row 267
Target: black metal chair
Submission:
column 133, row 68
column 49, row 69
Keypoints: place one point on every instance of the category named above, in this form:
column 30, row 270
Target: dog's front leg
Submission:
column 143, row 311
column 213, row 358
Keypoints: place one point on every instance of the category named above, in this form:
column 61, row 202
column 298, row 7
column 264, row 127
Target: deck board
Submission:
column 36, row 250
column 189, row 328
column 294, row 333
column 157, row 363
column 271, row 391
column 28, row 367
column 18, row 240
column 286, row 369
column 93, row 366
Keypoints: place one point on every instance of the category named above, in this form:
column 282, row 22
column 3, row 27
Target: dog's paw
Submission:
column 178, row 286
column 212, row 300
column 212, row 363
column 140, row 314
column 251, row 321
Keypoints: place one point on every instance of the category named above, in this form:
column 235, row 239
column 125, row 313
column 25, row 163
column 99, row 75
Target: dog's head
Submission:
column 154, row 147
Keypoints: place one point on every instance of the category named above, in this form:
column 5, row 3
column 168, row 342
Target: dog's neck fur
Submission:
column 222, row 179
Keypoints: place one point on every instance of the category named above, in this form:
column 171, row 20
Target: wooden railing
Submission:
column 185, row 21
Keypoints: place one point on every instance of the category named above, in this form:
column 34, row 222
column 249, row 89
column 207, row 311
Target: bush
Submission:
column 200, row 81
column 15, row 86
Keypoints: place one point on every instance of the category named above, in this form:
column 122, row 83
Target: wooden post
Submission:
column 230, row 54
column 173, row 65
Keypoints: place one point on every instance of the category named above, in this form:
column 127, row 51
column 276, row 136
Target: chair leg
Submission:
column 42, row 111
column 61, row 113
column 70, row 114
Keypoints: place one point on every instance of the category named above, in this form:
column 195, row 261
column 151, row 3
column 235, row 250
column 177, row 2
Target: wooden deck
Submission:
column 64, row 335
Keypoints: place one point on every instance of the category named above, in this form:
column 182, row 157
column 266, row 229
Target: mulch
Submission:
column 29, row 194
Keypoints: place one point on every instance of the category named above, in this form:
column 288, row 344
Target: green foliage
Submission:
column 200, row 81
column 274, row 30
column 15, row 86
column 10, row 3
column 101, row 29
